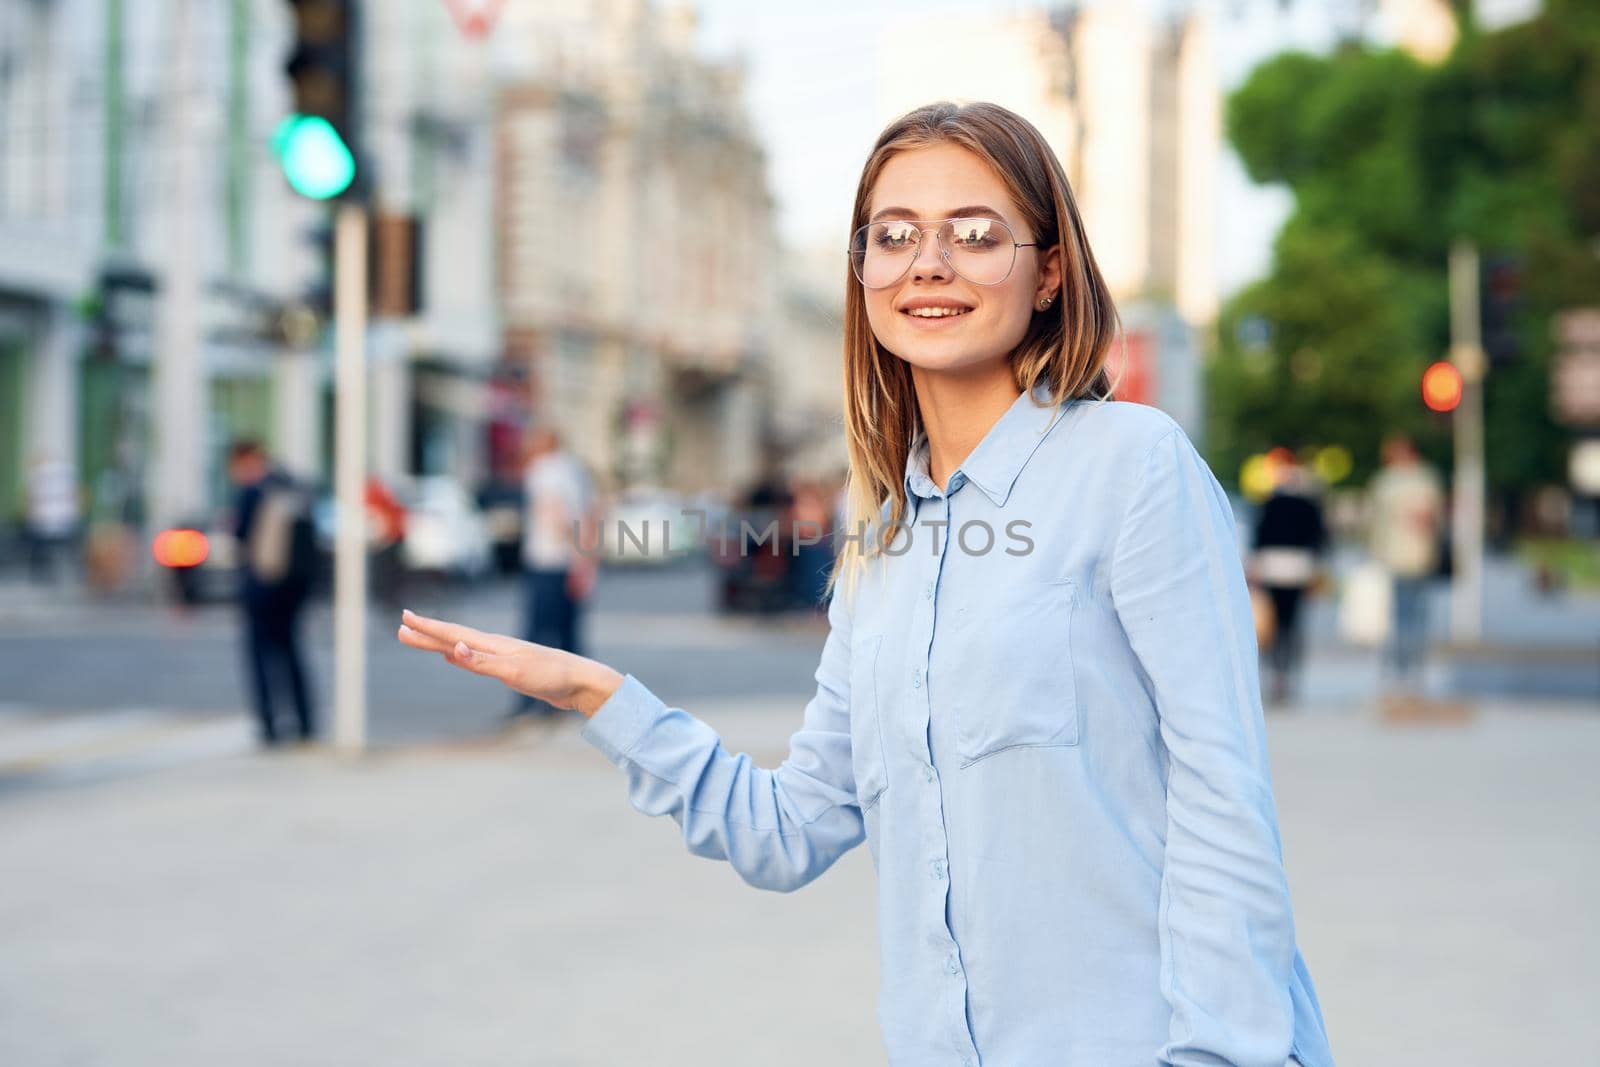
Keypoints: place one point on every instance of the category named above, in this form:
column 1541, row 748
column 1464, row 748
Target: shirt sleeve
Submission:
column 778, row 828
column 1225, row 924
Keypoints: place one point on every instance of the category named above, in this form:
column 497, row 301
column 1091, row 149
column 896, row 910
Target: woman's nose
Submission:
column 930, row 261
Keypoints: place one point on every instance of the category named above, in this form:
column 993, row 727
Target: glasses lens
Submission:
column 981, row 250
column 881, row 252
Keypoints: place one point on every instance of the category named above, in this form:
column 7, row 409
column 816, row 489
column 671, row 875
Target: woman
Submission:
column 1037, row 701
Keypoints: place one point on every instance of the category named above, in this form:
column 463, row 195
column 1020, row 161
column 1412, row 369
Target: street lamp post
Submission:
column 1467, row 518
column 350, row 549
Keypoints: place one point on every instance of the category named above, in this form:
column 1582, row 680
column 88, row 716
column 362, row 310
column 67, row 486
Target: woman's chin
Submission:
column 953, row 359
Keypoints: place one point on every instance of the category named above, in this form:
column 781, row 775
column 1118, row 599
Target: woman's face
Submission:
column 989, row 321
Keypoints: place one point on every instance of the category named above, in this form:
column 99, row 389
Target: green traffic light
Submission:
column 315, row 158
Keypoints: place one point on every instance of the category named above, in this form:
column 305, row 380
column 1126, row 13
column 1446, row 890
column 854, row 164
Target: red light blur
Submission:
column 1441, row 387
column 181, row 548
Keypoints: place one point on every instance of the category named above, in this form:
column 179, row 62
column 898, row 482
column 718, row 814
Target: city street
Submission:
column 469, row 895
column 500, row 903
column 92, row 690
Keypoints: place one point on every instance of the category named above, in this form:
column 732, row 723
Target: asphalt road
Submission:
column 657, row 624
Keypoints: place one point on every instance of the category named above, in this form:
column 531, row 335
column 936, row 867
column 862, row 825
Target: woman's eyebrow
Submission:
column 969, row 211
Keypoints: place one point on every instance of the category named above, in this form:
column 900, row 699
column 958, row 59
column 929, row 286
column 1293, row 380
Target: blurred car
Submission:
column 651, row 525
column 752, row 553
column 445, row 532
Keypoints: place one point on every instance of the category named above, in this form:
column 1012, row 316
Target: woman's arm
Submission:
column 779, row 828
column 1226, row 930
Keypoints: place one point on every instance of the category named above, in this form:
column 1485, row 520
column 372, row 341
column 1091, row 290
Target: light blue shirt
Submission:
column 1055, row 751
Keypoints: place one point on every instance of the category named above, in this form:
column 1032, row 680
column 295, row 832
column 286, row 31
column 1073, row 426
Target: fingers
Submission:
column 478, row 662
column 418, row 639
column 448, row 633
column 460, row 653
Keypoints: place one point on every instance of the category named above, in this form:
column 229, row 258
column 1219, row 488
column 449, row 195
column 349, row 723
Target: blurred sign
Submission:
column 1132, row 367
column 394, row 262
column 1575, row 377
column 1583, row 467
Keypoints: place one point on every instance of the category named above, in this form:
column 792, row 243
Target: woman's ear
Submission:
column 1049, row 287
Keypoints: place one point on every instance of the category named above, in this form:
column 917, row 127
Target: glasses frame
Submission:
column 944, row 252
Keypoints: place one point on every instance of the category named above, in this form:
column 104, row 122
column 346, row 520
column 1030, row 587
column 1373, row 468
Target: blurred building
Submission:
column 439, row 392
column 808, row 362
column 133, row 167
column 638, row 256
column 1129, row 99
column 577, row 197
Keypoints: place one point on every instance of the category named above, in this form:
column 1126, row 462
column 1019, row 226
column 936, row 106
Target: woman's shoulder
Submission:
column 1121, row 428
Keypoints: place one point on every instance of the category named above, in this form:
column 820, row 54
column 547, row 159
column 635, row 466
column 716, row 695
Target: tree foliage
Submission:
column 1389, row 161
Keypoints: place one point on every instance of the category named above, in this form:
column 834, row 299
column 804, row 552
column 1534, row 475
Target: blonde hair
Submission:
column 1065, row 346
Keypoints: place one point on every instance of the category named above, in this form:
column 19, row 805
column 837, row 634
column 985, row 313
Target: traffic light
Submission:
column 1500, row 304
column 317, row 143
column 394, row 267
column 315, row 159
column 1441, row 387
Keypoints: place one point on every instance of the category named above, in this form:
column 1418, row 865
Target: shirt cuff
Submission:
column 618, row 724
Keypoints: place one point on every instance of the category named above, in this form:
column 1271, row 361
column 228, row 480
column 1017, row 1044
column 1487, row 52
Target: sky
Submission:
column 812, row 93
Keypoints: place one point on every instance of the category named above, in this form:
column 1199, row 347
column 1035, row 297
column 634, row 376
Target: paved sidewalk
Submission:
column 499, row 903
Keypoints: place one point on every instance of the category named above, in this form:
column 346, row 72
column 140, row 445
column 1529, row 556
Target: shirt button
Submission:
column 937, row 869
column 928, row 590
column 955, row 967
column 927, row 773
column 916, row 678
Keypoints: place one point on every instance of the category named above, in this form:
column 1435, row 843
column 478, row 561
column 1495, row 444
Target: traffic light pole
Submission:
column 1467, row 518
column 350, row 463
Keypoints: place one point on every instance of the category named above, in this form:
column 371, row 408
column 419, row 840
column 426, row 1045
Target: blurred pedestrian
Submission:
column 765, row 553
column 1290, row 537
column 1406, row 501
column 51, row 522
column 810, row 524
column 560, row 553
column 277, row 563
column 500, row 501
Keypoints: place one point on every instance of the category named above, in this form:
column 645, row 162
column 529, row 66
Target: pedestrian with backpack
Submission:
column 277, row 562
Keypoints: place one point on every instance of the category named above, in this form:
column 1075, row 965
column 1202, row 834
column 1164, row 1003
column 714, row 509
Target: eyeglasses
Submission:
column 982, row 251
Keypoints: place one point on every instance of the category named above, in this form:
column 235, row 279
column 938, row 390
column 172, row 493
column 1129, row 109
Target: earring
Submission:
column 1044, row 302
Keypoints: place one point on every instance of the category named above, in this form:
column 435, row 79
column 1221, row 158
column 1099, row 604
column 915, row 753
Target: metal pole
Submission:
column 178, row 473
column 350, row 462
column 1467, row 519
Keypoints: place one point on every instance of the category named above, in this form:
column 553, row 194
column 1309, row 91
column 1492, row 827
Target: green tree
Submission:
column 1389, row 160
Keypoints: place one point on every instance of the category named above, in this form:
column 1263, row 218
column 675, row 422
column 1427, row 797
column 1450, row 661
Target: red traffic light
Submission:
column 1441, row 387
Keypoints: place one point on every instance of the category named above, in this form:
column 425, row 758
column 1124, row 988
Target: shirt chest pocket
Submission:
column 866, row 734
column 1011, row 683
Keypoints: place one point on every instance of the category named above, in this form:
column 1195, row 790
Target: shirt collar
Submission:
column 994, row 465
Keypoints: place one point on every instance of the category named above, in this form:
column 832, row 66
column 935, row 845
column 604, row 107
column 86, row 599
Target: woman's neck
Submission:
column 958, row 410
